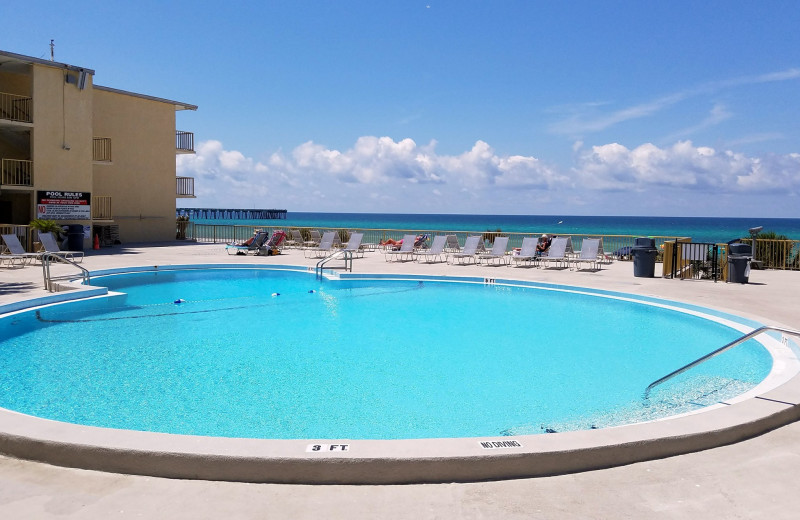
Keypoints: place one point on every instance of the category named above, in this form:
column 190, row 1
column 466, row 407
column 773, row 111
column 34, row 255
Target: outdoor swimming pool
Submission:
column 281, row 355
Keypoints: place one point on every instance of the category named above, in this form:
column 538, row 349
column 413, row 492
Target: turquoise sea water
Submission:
column 255, row 353
column 701, row 229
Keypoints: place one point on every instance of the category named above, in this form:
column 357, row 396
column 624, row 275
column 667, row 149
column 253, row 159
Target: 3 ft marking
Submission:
column 488, row 281
column 311, row 448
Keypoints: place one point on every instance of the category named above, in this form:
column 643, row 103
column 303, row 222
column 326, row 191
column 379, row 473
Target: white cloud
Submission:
column 697, row 168
column 379, row 174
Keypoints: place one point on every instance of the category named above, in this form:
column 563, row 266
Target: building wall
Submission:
column 62, row 132
column 141, row 176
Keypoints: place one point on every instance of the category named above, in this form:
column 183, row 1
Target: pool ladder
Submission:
column 717, row 352
column 348, row 261
column 49, row 285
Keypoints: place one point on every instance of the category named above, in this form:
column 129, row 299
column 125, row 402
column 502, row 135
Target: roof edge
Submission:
column 179, row 105
column 48, row 63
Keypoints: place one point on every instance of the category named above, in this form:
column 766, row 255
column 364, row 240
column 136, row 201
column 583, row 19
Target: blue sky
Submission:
column 515, row 107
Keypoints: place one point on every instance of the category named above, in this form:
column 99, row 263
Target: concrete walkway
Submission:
column 750, row 479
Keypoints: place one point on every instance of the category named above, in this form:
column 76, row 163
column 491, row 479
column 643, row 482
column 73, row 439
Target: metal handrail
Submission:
column 348, row 261
column 717, row 352
column 46, row 258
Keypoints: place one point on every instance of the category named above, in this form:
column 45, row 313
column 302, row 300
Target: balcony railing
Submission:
column 15, row 172
column 16, row 108
column 184, row 142
column 101, row 149
column 185, row 188
column 101, row 208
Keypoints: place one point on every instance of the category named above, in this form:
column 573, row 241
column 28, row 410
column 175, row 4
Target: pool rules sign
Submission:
column 63, row 205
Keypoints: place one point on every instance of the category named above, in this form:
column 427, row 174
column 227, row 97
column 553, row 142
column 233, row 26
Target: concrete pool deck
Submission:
column 748, row 479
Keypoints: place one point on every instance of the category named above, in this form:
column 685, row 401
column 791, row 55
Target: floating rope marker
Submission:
column 276, row 294
column 179, row 301
column 312, row 291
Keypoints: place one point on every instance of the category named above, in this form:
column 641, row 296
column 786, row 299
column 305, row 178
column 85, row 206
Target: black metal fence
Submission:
column 695, row 260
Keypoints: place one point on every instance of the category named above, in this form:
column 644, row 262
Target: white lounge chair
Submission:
column 497, row 254
column 295, row 239
column 406, row 250
column 556, row 253
column 17, row 253
column 51, row 246
column 250, row 246
column 354, row 245
column 325, row 246
column 588, row 253
column 314, row 239
column 527, row 254
column 436, row 250
column 467, row 254
column 452, row 245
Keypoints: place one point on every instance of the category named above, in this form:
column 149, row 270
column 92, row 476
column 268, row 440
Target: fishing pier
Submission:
column 231, row 214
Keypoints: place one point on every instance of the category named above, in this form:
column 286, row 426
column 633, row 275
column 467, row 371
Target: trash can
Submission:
column 75, row 237
column 644, row 254
column 739, row 257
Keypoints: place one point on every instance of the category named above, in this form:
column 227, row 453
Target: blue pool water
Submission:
column 358, row 359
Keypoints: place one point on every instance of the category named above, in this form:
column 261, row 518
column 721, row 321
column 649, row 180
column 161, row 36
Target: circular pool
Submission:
column 270, row 375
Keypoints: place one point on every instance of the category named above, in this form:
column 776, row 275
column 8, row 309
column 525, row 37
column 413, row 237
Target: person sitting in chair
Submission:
column 543, row 245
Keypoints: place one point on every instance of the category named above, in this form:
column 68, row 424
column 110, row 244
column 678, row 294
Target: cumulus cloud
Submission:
column 378, row 174
column 614, row 167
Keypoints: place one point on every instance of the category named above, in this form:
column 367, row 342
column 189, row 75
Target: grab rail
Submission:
column 717, row 352
column 348, row 261
column 47, row 258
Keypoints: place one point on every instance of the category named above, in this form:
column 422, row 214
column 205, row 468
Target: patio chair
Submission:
column 468, row 253
column 406, row 249
column 314, row 239
column 527, row 254
column 436, row 250
column 295, row 239
column 16, row 252
column 452, row 245
column 274, row 245
column 51, row 246
column 588, row 253
column 354, row 245
column 251, row 245
column 497, row 255
column 557, row 253
column 324, row 248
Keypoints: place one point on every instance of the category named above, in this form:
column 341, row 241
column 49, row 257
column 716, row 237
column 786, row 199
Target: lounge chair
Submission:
column 452, row 245
column 527, row 254
column 249, row 246
column 588, row 254
column 314, row 239
column 295, row 239
column 406, row 249
column 51, row 246
column 468, row 253
column 16, row 252
column 556, row 253
column 354, row 245
column 436, row 250
column 324, row 248
column 497, row 254
column 274, row 245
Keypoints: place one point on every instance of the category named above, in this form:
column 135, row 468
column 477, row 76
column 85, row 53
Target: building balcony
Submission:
column 16, row 172
column 101, row 208
column 101, row 149
column 185, row 188
column 16, row 108
column 184, row 142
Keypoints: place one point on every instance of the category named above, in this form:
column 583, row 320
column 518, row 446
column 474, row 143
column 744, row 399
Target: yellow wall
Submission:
column 141, row 176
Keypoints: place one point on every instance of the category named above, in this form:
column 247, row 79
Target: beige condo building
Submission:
column 81, row 153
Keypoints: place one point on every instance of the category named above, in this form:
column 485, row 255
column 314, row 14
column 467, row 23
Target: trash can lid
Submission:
column 649, row 243
column 740, row 249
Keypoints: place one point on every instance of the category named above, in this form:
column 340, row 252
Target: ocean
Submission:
column 700, row 229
